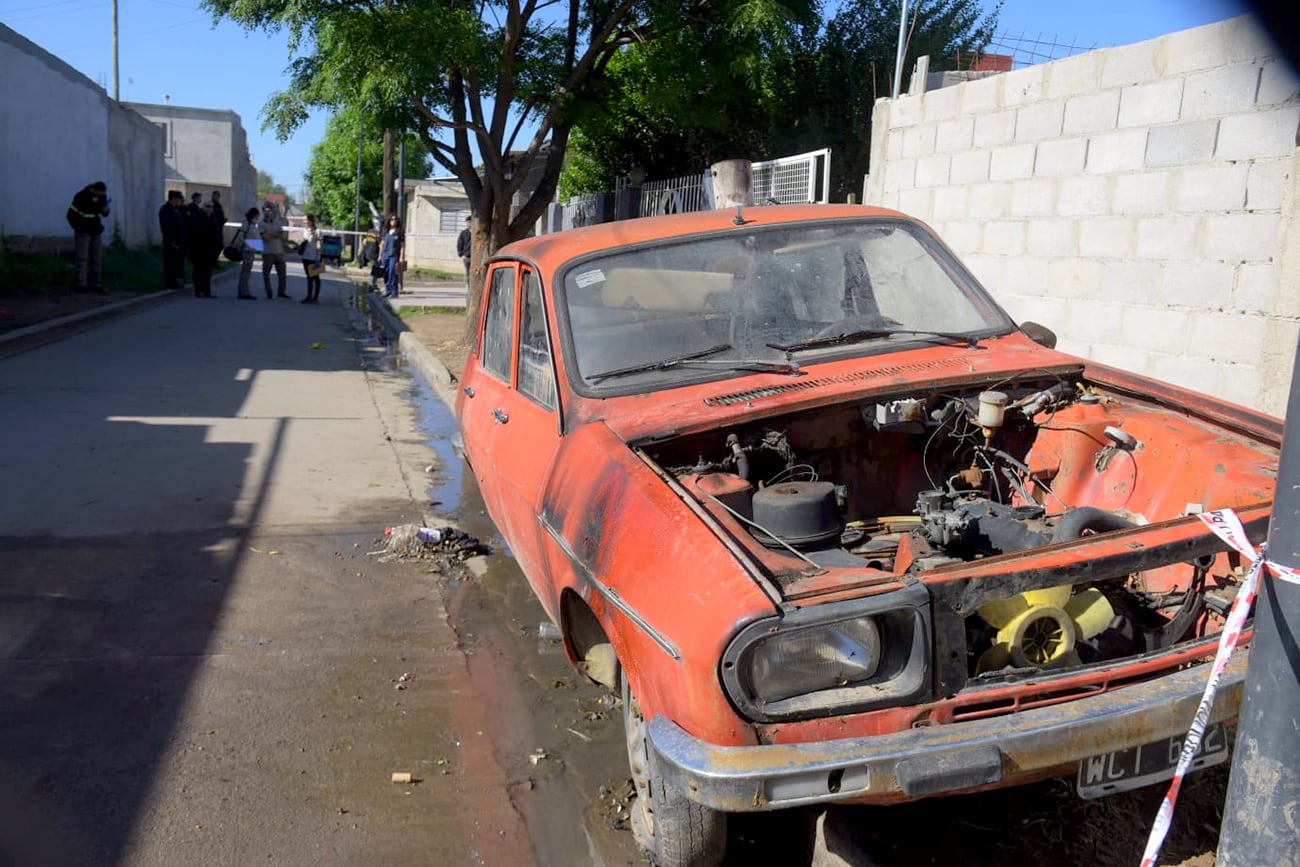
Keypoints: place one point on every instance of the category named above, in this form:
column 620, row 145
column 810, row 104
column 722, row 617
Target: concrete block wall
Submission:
column 1140, row 201
column 49, row 154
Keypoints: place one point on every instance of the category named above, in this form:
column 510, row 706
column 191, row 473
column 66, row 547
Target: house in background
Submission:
column 435, row 213
column 205, row 149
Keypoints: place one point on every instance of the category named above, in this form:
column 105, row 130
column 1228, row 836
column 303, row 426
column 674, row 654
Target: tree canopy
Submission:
column 332, row 174
column 675, row 106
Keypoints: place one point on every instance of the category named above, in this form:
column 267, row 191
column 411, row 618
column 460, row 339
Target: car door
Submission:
column 486, row 385
column 523, row 432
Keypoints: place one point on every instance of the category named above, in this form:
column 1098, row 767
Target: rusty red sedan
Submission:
column 837, row 528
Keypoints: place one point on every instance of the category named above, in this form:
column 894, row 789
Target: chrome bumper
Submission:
column 941, row 758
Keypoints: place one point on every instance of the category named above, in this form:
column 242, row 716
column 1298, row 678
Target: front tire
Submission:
column 673, row 830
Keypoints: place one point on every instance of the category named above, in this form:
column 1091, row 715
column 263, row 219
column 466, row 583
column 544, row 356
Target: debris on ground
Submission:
column 445, row 545
column 403, row 777
column 537, row 755
column 401, row 681
column 615, row 804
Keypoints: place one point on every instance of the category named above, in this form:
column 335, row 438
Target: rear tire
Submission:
column 673, row 830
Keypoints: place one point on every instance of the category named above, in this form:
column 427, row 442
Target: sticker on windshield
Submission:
column 589, row 278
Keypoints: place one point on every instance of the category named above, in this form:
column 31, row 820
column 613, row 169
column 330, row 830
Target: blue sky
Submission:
column 169, row 51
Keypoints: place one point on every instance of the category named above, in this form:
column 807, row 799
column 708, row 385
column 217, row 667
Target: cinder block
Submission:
column 1034, row 197
column 1152, row 103
column 1199, row 285
column 1077, row 280
column 1060, row 157
column 1256, row 285
column 954, row 135
column 1122, row 151
column 1239, row 384
column 962, row 235
column 950, row 203
column 940, row 105
column 1051, row 238
column 1155, row 329
column 900, row 174
column 1211, row 189
column 918, row 141
column 1074, row 75
column 971, row 167
column 1004, row 237
column 1015, row 161
column 1172, row 238
column 1123, row 357
column 1213, row 45
column 1232, row 337
column 1023, row 86
column 932, row 171
column 906, row 111
column 1181, row 144
column 1106, row 237
column 1262, row 134
column 1128, row 281
column 1217, row 92
column 1142, row 193
column 893, row 147
column 1278, row 83
column 1091, row 112
column 1198, row 374
column 1034, row 308
column 979, row 97
column 1039, row 121
column 917, row 203
column 991, row 201
column 1091, row 322
column 1266, row 184
column 1084, row 196
column 1242, row 237
column 994, row 129
column 1129, row 64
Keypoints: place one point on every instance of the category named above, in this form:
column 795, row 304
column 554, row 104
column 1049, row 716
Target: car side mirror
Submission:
column 1040, row 334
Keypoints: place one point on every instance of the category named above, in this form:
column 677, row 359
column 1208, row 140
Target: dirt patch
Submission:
column 443, row 334
column 22, row 309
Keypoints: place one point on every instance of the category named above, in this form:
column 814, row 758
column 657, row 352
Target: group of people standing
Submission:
column 193, row 232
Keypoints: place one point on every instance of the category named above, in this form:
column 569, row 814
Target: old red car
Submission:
column 837, row 527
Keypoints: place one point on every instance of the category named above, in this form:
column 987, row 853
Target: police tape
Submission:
column 1227, row 526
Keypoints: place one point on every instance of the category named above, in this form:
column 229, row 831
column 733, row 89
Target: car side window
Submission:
column 536, row 379
column 499, row 321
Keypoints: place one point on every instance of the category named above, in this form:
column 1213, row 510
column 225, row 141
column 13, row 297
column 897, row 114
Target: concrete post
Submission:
column 732, row 184
column 1261, row 823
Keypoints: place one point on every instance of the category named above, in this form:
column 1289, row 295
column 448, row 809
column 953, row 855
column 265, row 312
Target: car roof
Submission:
column 553, row 249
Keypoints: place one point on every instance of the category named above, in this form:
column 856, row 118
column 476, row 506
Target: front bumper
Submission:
column 938, row 759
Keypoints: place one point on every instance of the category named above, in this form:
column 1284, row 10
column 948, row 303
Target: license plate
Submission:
column 1151, row 763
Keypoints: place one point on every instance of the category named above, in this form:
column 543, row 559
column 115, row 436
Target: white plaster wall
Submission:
column 1138, row 200
column 49, row 154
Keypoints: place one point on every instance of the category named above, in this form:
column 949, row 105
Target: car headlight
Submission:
column 796, row 661
column 843, row 657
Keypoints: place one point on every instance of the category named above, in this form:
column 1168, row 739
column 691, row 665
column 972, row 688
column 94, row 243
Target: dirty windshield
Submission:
column 758, row 293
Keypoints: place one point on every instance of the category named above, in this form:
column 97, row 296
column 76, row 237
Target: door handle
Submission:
column 469, row 390
column 500, row 415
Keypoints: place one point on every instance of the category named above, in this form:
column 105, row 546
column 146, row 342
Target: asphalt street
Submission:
column 202, row 659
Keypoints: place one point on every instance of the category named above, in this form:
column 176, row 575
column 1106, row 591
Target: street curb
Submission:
column 50, row 330
column 425, row 363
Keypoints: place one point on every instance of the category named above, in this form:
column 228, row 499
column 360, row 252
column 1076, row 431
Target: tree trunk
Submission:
column 390, row 207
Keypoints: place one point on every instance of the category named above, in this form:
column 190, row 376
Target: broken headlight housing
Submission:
column 844, row 657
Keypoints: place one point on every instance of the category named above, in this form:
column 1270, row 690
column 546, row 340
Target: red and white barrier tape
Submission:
column 1227, row 526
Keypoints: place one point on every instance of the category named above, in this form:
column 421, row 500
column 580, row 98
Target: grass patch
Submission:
column 408, row 312
column 128, row 270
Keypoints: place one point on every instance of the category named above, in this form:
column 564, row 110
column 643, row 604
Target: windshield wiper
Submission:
column 873, row 334
column 702, row 359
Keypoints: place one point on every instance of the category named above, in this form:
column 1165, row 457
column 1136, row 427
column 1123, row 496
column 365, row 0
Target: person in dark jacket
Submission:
column 218, row 225
column 465, row 246
column 84, row 214
column 203, row 244
column 171, row 220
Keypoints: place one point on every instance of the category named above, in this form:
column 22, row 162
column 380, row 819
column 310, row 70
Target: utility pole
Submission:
column 115, row 92
column 401, row 179
column 902, row 42
column 1259, row 817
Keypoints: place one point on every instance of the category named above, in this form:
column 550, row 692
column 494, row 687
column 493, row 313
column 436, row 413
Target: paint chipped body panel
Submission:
column 832, row 509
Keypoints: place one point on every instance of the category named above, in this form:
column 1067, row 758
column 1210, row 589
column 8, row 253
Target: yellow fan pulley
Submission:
column 1039, row 629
